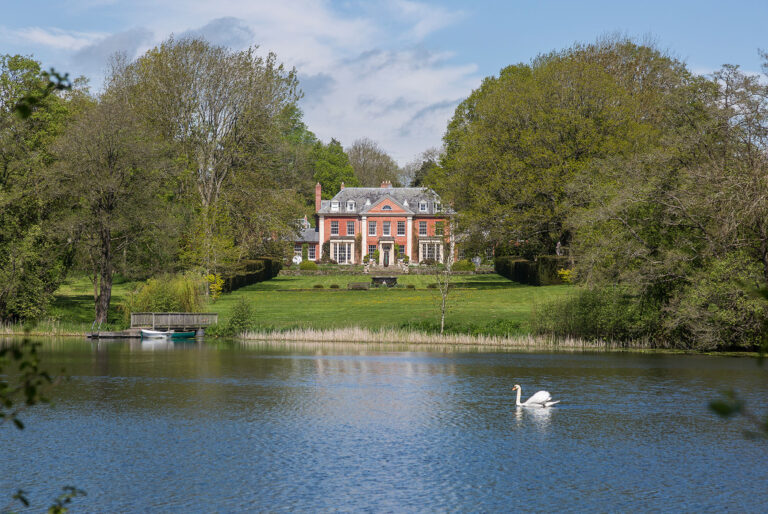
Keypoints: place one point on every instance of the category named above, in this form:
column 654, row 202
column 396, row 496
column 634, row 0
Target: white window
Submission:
column 297, row 249
column 334, row 206
column 342, row 252
column 430, row 251
column 371, row 249
column 422, row 206
column 387, row 230
column 422, row 228
column 334, row 228
column 400, row 228
column 311, row 252
column 437, row 206
column 371, row 228
column 386, row 208
column 350, row 206
column 350, row 228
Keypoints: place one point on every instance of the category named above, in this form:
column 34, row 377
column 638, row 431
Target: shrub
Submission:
column 318, row 286
column 215, row 285
column 375, row 256
column 566, row 275
column 334, row 286
column 411, row 286
column 366, row 258
column 611, row 313
column 428, row 262
column 167, row 293
column 304, row 252
column 406, row 259
column 547, row 267
column 463, row 265
column 308, row 265
column 432, row 285
column 242, row 318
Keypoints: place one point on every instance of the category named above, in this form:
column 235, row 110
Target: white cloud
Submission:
column 362, row 73
column 56, row 38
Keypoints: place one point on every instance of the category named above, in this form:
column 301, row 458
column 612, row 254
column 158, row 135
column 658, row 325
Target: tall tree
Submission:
column 105, row 174
column 515, row 145
column 372, row 165
column 33, row 258
column 332, row 168
column 225, row 114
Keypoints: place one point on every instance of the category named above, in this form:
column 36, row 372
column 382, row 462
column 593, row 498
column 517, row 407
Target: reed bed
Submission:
column 398, row 336
column 45, row 328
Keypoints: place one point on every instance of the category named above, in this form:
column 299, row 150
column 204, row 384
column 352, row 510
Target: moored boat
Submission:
column 155, row 334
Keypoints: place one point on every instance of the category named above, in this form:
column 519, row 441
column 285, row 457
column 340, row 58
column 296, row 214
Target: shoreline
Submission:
column 399, row 337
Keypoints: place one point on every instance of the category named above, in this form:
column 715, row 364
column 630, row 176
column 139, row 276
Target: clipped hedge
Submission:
column 252, row 272
column 541, row 272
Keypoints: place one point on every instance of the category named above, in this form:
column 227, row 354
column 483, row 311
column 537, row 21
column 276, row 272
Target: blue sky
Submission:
column 392, row 70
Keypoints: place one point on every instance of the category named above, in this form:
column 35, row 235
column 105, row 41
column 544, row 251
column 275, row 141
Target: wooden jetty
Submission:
column 180, row 321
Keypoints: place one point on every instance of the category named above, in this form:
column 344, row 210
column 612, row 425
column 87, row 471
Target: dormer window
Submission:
column 422, row 206
column 335, row 206
column 405, row 203
column 350, row 206
column 386, row 208
column 437, row 206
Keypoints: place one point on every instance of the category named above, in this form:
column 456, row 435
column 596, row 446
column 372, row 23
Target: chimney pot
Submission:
column 342, row 185
column 318, row 196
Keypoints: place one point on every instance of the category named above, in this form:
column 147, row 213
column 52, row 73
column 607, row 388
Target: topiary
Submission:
column 318, row 286
column 334, row 286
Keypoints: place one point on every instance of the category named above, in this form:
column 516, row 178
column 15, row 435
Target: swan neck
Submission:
column 519, row 391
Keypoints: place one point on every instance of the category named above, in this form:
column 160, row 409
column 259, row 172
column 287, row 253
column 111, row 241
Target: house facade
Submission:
column 395, row 221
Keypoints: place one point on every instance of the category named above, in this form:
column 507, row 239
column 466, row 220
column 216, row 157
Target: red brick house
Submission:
column 410, row 220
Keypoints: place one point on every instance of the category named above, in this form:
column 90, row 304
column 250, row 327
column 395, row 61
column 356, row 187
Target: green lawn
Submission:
column 477, row 299
column 292, row 301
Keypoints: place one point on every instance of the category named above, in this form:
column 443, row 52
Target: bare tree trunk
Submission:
column 105, row 276
column 442, row 312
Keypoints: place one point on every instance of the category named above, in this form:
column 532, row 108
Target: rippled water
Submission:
column 191, row 427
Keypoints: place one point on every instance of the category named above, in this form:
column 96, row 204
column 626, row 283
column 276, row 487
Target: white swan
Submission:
column 540, row 399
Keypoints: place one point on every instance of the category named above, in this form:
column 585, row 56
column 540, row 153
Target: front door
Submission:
column 386, row 248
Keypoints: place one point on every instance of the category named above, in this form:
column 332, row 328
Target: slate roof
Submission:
column 308, row 235
column 406, row 197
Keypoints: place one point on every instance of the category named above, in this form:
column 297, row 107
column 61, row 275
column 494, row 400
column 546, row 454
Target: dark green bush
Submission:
column 242, row 319
column 410, row 286
column 610, row 313
column 547, row 267
column 252, row 272
column 334, row 286
column 318, row 286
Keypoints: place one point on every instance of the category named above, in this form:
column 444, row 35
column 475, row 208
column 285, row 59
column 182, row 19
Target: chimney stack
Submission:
column 318, row 196
column 342, row 185
column 385, row 183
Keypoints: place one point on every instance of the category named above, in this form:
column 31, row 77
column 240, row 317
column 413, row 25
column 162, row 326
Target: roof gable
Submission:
column 388, row 205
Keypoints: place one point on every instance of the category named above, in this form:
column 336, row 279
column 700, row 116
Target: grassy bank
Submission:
column 294, row 302
column 476, row 301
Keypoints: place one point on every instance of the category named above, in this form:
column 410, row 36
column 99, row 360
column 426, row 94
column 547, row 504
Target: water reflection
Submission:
column 170, row 426
column 540, row 418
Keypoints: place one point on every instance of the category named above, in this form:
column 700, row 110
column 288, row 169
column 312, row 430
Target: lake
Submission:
column 270, row 427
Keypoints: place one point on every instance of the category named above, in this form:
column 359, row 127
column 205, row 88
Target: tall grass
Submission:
column 399, row 336
column 168, row 293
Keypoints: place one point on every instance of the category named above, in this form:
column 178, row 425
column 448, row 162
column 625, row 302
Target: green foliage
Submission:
column 304, row 252
column 609, row 313
column 334, row 286
column 242, row 318
column 215, row 285
column 712, row 312
column 332, row 167
column 251, row 272
column 318, row 286
column 34, row 253
column 375, row 256
column 308, row 265
column 463, row 265
column 168, row 293
column 566, row 275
